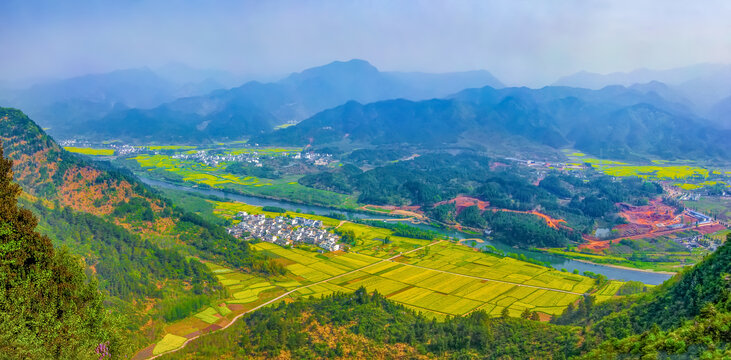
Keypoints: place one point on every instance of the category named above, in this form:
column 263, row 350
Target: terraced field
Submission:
column 462, row 282
column 438, row 278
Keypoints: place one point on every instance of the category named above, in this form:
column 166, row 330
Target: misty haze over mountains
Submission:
column 178, row 103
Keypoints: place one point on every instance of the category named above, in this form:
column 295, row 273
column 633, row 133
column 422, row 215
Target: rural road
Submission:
column 391, row 259
column 284, row 295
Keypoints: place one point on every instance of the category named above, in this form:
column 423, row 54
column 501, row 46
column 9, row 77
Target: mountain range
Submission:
column 64, row 104
column 257, row 107
column 706, row 87
column 614, row 121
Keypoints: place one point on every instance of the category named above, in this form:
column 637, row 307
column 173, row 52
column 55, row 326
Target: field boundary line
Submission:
column 237, row 317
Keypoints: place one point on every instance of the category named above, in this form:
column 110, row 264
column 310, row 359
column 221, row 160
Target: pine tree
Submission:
column 48, row 308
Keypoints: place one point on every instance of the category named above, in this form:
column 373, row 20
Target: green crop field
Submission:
column 169, row 342
column 660, row 170
column 89, row 151
column 608, row 291
column 189, row 171
column 171, row 147
column 439, row 279
column 475, row 281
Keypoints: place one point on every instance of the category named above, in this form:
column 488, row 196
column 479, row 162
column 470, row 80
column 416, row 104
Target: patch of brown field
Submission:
column 236, row 307
column 283, row 261
column 544, row 317
column 408, row 213
column 358, row 279
column 212, row 327
column 710, row 229
column 186, row 326
column 145, row 353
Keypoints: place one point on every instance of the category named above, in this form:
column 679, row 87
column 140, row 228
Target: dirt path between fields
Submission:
column 146, row 352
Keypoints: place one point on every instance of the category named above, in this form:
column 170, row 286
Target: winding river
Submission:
column 557, row 262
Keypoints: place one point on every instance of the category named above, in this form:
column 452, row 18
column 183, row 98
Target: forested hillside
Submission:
column 431, row 181
column 686, row 317
column 615, row 121
column 364, row 326
column 132, row 240
column 48, row 308
column 60, row 179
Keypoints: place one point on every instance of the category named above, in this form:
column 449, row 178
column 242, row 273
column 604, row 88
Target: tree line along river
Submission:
column 557, row 262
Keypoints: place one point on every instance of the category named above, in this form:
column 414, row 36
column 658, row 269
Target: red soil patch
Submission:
column 656, row 219
column 709, row 229
column 551, row 222
column 592, row 243
column 461, row 202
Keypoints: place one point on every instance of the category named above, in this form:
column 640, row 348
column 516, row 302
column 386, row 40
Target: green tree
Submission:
column 48, row 307
column 505, row 314
column 525, row 314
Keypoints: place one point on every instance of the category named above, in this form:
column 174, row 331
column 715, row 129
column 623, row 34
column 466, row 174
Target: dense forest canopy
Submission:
column 49, row 309
column 432, row 180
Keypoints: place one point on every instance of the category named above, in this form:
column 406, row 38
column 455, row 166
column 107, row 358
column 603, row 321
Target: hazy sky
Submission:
column 521, row 42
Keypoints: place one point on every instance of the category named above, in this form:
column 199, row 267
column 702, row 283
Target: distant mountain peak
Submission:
column 354, row 67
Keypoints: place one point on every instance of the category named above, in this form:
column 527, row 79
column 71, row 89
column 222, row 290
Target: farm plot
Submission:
column 169, row 342
column 608, row 291
column 462, row 260
column 89, row 151
column 370, row 241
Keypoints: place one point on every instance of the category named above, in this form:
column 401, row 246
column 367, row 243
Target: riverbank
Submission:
column 556, row 261
column 611, row 261
column 630, row 268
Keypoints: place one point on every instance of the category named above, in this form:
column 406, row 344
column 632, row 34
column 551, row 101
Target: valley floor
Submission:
column 438, row 278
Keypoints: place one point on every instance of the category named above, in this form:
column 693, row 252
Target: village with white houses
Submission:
column 285, row 231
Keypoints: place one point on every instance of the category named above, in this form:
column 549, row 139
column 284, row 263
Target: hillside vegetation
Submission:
column 48, row 308
column 615, row 122
column 363, row 325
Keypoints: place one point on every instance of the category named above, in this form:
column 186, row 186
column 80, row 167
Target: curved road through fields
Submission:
column 141, row 355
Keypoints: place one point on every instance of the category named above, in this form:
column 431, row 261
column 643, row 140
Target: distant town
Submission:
column 284, row 231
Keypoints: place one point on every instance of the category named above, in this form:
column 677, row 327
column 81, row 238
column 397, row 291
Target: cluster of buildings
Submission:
column 698, row 242
column 209, row 159
column 315, row 158
column 285, row 231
